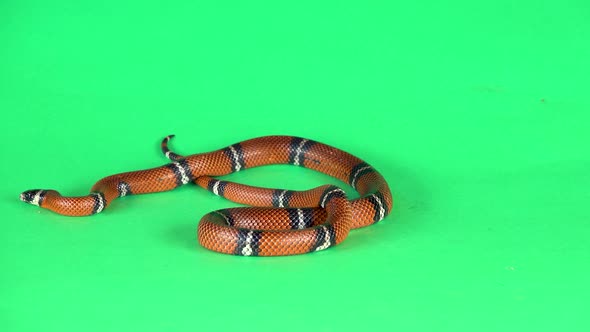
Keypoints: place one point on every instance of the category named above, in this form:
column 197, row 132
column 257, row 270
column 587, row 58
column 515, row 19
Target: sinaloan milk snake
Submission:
column 280, row 222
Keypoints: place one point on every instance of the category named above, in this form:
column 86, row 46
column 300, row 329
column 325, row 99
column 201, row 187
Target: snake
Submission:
column 276, row 222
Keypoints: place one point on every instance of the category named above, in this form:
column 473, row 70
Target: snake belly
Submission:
column 279, row 221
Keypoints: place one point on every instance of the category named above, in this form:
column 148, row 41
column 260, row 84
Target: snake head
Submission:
column 33, row 196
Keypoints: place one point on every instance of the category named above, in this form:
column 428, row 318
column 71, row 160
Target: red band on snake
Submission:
column 280, row 222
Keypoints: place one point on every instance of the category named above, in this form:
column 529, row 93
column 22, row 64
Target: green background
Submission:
column 476, row 113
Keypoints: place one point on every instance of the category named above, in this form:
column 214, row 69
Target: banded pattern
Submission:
column 227, row 217
column 330, row 193
column 379, row 205
column 236, row 156
column 182, row 172
column 325, row 238
column 124, row 189
column 217, row 187
column 358, row 171
column 298, row 150
column 300, row 218
column 280, row 221
column 99, row 202
column 280, row 198
column 248, row 242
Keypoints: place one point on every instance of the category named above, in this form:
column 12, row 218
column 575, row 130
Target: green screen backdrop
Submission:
column 476, row 112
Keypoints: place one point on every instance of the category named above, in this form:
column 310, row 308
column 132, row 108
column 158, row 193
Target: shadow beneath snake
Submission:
column 183, row 236
column 411, row 200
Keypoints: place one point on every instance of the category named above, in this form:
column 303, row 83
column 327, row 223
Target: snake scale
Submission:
column 278, row 222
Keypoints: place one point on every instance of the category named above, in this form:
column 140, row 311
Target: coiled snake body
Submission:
column 281, row 222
